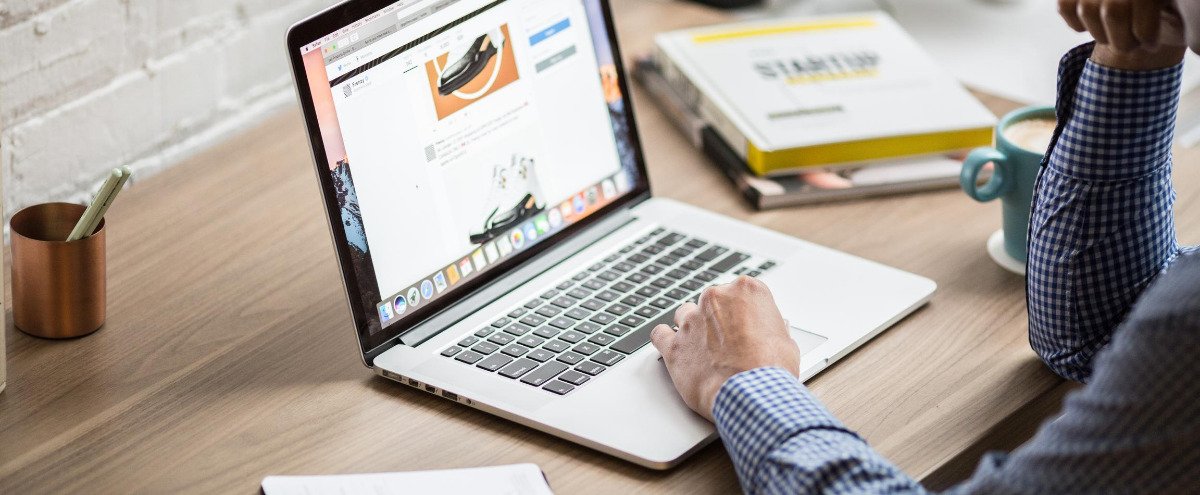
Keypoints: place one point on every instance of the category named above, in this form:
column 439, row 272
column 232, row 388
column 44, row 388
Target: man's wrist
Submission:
column 1140, row 60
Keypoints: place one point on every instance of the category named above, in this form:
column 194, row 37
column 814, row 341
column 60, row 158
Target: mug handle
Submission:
column 969, row 180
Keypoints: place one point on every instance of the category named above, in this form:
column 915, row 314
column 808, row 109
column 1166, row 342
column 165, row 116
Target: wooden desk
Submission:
column 229, row 355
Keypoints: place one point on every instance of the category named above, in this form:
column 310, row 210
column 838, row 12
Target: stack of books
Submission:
column 816, row 109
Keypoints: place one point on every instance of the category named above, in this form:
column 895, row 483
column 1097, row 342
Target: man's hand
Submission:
column 1130, row 34
column 736, row 328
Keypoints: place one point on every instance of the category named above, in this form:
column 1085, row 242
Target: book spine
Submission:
column 700, row 103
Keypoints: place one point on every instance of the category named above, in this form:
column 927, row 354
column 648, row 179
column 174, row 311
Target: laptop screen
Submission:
column 459, row 135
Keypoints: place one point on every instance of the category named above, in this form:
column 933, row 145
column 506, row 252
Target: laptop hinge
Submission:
column 519, row 276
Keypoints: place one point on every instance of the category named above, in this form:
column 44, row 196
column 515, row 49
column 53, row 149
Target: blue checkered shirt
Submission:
column 1101, row 239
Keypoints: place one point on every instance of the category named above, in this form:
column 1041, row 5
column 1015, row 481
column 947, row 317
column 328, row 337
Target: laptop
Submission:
column 500, row 247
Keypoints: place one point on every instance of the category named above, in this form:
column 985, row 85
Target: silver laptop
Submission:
column 499, row 244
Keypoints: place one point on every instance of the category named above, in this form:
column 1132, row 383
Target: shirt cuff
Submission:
column 758, row 410
column 1114, row 124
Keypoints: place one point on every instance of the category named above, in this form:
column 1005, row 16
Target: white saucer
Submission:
column 995, row 247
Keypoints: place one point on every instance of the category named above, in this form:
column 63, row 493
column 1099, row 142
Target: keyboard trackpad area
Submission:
column 807, row 341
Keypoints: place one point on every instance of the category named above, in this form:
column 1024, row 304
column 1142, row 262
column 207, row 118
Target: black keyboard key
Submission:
column 641, row 336
column 469, row 357
column 662, row 302
column 706, row 276
column 611, row 258
column 515, row 350
column 549, row 294
column 586, row 348
column 657, row 231
column 530, row 341
column 533, row 304
column 558, row 387
column 681, row 252
column 571, row 336
column 484, row 332
column 647, row 312
column 678, row 274
column 667, row 260
column 609, row 276
column 578, row 313
column 543, row 374
column 692, row 285
column 602, row 339
column 562, row 323
column 579, row 293
column 587, row 328
column 563, row 302
column 565, row 285
column 648, row 291
column 729, row 262
column 501, row 339
column 663, row 283
column 580, row 276
column 494, row 362
column 623, row 267
column 766, row 266
column 596, row 267
column 671, row 239
column 740, row 271
column 523, row 328
column 603, row 318
column 485, row 348
column 632, row 321
column 711, row 253
column 608, row 358
column 571, row 358
column 639, row 258
column 623, row 287
column 590, row 368
column 695, row 243
column 548, row 311
column 556, row 346
column 501, row 323
column 468, row 342
column 676, row 294
column 546, row 332
column 607, row 295
column 452, row 350
column 593, row 304
column 652, row 250
column 540, row 355
column 618, row 309
column 652, row 269
column 594, row 284
column 531, row 321
column 617, row 330
column 573, row 377
column 692, row 265
column 753, row 273
column 518, row 368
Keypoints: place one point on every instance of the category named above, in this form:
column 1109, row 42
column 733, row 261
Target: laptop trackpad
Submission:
column 807, row 341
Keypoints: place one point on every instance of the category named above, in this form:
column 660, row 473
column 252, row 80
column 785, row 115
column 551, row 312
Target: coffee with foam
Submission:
column 1031, row 135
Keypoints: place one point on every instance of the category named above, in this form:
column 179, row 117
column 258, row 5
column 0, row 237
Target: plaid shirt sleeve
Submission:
column 1102, row 227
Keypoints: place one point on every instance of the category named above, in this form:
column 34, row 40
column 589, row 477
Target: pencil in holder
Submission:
column 58, row 287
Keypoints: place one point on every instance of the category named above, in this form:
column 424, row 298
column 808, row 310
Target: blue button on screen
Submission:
column 545, row 34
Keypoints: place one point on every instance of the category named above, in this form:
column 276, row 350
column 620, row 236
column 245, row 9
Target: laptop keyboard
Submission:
column 591, row 321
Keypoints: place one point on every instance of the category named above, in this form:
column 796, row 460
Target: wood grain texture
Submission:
column 229, row 354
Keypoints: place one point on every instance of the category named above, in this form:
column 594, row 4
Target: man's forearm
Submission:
column 782, row 440
column 1102, row 226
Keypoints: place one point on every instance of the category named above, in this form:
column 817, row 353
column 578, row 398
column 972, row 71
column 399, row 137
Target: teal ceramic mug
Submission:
column 1012, row 180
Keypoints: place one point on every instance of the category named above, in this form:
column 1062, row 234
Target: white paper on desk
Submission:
column 517, row 479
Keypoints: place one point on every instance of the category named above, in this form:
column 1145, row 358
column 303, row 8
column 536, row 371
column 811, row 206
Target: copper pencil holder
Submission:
column 58, row 287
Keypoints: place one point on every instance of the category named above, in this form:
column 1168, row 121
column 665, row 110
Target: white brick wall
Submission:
column 88, row 85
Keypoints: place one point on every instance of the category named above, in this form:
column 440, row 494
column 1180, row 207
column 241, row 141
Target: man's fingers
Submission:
column 1069, row 10
column 1118, row 25
column 684, row 311
column 1089, row 13
column 1146, row 22
column 662, row 336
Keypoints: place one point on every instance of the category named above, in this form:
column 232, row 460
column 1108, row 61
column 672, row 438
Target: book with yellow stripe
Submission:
column 821, row 92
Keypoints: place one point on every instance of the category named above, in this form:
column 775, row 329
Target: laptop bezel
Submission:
column 374, row 343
